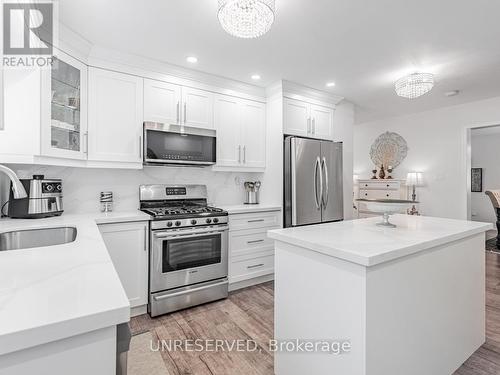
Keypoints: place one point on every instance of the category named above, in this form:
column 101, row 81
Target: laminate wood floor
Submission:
column 248, row 314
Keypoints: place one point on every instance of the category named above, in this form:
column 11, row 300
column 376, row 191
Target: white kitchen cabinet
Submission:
column 251, row 252
column 64, row 108
column 198, row 108
column 227, row 122
column 161, row 102
column 127, row 244
column 253, row 134
column 168, row 103
column 307, row 120
column 241, row 133
column 321, row 122
column 115, row 116
column 296, row 117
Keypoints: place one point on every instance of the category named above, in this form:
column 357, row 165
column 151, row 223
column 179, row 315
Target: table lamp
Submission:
column 414, row 179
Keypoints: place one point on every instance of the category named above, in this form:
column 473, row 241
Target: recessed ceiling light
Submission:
column 255, row 77
column 330, row 84
column 192, row 59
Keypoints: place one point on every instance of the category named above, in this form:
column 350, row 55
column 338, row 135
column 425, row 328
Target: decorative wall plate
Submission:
column 389, row 149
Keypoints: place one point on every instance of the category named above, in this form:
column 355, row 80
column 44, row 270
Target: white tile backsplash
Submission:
column 81, row 186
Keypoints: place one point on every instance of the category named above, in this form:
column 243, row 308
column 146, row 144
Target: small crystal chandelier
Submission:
column 246, row 18
column 414, row 85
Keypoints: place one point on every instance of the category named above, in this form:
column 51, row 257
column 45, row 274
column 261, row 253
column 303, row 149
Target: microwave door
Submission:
column 170, row 147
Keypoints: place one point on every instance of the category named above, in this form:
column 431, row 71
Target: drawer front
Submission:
column 379, row 194
column 254, row 220
column 246, row 242
column 250, row 268
column 391, row 185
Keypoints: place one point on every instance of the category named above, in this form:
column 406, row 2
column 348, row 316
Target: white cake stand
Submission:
column 386, row 207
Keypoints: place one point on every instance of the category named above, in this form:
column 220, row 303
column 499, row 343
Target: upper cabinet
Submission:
column 241, row 134
column 321, row 122
column 179, row 105
column 64, row 108
column 307, row 120
column 115, row 116
column 161, row 102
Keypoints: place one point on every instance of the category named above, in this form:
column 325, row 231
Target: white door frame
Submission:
column 468, row 159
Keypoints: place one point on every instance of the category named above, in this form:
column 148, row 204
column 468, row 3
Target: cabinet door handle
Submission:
column 239, row 154
column 255, row 221
column 314, row 125
column 145, row 238
column 255, row 241
column 86, row 138
column 308, row 125
column 244, row 154
column 178, row 110
column 185, row 113
column 140, row 147
column 255, row 266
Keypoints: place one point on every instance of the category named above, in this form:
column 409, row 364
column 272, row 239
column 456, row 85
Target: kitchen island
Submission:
column 406, row 300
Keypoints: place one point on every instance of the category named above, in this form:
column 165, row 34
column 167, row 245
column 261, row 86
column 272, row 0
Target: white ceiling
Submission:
column 362, row 45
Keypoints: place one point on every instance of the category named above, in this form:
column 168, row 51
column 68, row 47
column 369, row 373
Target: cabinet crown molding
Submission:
column 294, row 90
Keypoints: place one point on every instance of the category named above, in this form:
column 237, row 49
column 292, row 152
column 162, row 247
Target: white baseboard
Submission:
column 138, row 310
column 250, row 282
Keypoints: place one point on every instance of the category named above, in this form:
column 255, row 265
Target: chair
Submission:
column 495, row 200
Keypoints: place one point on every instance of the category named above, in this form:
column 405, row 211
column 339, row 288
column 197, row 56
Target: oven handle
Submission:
column 165, row 296
column 189, row 233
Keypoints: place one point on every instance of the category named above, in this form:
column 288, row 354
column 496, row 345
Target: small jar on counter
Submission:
column 106, row 201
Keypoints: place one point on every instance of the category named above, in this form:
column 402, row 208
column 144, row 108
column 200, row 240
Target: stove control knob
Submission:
column 216, row 220
column 208, row 221
column 169, row 224
column 193, row 222
column 177, row 223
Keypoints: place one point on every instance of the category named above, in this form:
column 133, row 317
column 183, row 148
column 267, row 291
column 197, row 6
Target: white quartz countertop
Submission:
column 248, row 208
column 54, row 292
column 362, row 242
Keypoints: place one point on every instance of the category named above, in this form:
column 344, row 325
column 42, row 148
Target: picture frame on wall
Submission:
column 476, row 180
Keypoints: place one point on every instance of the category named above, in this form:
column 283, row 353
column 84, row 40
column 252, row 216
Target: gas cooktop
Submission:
column 177, row 202
column 183, row 211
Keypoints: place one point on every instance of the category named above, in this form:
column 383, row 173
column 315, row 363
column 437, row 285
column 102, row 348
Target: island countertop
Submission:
column 54, row 292
column 362, row 242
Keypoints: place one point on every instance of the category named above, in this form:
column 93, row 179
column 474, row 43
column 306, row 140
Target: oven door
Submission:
column 188, row 256
column 171, row 144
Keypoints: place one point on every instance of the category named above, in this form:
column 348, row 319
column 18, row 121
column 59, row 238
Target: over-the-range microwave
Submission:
column 178, row 145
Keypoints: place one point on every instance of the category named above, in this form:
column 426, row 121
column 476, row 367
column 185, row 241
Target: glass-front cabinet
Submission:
column 64, row 108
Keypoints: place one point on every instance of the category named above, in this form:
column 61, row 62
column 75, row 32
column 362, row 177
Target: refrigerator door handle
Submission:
column 324, row 168
column 317, row 166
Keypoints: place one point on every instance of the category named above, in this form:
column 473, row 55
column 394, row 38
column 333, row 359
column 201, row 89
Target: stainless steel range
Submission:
column 188, row 247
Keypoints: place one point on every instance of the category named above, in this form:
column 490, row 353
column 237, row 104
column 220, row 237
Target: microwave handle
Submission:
column 178, row 111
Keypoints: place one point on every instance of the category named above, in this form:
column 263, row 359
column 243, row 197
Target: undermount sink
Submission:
column 29, row 238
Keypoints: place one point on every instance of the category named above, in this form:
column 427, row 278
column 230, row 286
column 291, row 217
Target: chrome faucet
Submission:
column 17, row 186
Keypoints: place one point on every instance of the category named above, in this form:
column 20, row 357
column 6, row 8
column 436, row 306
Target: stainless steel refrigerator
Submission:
column 313, row 188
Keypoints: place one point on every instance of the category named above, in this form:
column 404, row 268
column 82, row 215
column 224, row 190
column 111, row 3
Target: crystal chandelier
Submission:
column 246, row 18
column 414, row 85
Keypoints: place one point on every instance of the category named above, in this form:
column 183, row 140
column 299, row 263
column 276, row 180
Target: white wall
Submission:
column 436, row 141
column 343, row 123
column 82, row 185
column 485, row 153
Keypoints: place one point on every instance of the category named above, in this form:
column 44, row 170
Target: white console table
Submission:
column 379, row 189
